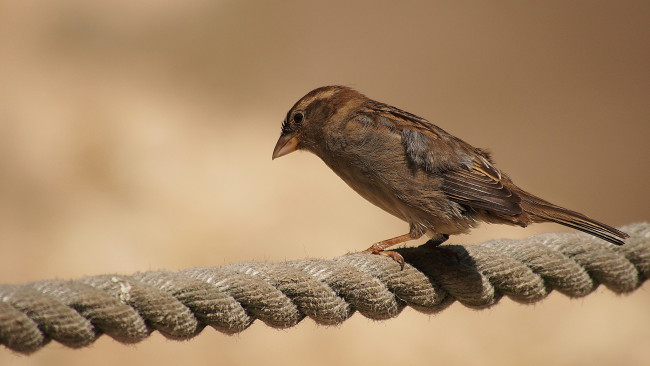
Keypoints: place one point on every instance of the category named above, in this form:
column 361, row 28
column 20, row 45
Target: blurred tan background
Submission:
column 138, row 136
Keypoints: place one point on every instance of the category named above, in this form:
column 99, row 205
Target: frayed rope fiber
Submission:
column 229, row 298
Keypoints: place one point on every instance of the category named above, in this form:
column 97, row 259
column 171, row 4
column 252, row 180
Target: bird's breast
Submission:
column 374, row 166
column 377, row 168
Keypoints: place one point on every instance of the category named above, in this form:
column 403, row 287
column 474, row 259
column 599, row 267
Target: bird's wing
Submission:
column 480, row 186
column 469, row 178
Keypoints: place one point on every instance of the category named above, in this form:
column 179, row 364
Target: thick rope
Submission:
column 229, row 298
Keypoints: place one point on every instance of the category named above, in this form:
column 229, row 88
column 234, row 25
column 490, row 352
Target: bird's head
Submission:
column 303, row 127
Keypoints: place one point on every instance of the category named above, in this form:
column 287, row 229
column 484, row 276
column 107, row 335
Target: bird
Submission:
column 409, row 167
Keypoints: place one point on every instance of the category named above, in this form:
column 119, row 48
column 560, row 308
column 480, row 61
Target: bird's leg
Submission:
column 384, row 244
column 435, row 242
column 379, row 247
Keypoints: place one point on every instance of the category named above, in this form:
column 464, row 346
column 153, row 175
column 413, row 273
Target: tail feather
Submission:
column 541, row 210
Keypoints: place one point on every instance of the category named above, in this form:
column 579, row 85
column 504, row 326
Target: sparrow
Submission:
column 439, row 184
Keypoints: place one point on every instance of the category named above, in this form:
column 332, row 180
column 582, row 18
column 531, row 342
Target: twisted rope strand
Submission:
column 229, row 298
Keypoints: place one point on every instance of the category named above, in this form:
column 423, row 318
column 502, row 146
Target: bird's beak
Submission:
column 286, row 144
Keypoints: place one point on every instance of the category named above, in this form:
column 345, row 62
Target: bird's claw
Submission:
column 387, row 253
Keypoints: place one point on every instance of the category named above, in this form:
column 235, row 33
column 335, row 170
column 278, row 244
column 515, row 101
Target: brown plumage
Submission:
column 415, row 170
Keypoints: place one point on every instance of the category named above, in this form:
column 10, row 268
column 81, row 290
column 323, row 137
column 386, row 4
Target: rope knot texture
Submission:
column 230, row 298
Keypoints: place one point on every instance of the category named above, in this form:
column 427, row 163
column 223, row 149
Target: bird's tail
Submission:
column 541, row 211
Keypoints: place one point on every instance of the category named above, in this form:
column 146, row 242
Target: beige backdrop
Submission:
column 138, row 136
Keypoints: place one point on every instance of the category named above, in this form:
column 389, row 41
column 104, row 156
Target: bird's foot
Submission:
column 434, row 243
column 379, row 248
column 436, row 240
column 386, row 253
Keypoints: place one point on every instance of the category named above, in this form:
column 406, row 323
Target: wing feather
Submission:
column 469, row 178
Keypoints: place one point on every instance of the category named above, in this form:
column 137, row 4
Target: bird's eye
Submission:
column 298, row 117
